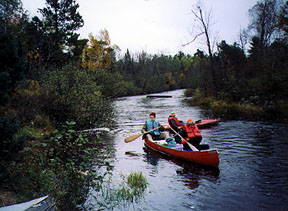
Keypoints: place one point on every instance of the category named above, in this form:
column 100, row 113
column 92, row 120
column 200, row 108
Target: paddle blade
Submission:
column 132, row 138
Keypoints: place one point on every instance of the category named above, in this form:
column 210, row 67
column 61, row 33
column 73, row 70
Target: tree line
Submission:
column 49, row 76
column 256, row 75
column 50, row 90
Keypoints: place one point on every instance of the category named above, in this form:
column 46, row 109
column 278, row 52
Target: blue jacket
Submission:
column 151, row 125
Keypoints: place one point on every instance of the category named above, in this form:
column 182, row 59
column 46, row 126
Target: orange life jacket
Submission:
column 175, row 119
column 192, row 132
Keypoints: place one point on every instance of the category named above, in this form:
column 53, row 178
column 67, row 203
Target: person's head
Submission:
column 152, row 116
column 190, row 123
column 173, row 114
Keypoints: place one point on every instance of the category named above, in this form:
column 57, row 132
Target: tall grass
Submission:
column 131, row 190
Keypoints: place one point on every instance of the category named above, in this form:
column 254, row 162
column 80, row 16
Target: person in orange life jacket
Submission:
column 150, row 124
column 190, row 133
column 174, row 122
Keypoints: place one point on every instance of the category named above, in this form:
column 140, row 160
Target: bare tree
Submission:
column 243, row 39
column 264, row 17
column 203, row 22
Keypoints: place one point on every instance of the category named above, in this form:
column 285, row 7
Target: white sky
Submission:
column 156, row 26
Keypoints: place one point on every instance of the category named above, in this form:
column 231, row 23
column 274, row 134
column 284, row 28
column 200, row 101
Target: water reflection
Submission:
column 252, row 173
column 189, row 173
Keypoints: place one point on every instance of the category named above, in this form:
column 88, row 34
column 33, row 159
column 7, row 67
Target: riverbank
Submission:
column 245, row 110
column 60, row 164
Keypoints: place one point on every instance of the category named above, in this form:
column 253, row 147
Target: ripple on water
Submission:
column 252, row 174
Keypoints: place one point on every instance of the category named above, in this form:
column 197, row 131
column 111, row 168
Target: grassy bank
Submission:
column 238, row 110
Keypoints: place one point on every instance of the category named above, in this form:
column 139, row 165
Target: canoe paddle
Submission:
column 132, row 138
column 190, row 145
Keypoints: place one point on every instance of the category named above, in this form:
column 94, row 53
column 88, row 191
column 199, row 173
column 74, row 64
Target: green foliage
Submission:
column 11, row 69
column 64, row 149
column 67, row 162
column 65, row 166
column 10, row 144
column 61, row 20
column 188, row 92
column 156, row 73
column 78, row 97
column 6, row 87
column 200, row 76
column 240, row 86
column 137, row 181
column 36, row 132
column 10, row 10
column 33, row 99
column 131, row 189
column 113, row 84
column 77, row 48
column 24, row 180
column 224, row 109
column 98, row 53
column 35, row 47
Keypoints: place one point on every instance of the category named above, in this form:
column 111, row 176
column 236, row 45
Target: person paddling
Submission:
column 149, row 125
column 190, row 133
column 174, row 122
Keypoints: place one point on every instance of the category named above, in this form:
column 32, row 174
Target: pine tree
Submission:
column 61, row 20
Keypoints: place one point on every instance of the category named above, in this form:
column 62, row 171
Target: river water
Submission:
column 252, row 173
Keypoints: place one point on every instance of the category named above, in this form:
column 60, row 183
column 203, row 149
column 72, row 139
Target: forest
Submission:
column 54, row 85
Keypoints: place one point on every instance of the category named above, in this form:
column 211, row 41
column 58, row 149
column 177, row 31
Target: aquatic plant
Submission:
column 130, row 190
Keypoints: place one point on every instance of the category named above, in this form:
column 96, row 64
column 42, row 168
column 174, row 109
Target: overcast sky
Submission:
column 156, row 26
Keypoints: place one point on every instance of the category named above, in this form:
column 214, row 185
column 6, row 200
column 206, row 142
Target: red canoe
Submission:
column 206, row 123
column 202, row 124
column 204, row 157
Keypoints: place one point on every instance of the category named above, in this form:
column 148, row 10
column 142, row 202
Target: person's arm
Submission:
column 173, row 123
column 197, row 130
column 183, row 133
column 161, row 127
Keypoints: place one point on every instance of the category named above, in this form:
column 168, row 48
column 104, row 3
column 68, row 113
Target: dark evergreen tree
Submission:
column 9, row 10
column 11, row 48
column 128, row 63
column 61, row 20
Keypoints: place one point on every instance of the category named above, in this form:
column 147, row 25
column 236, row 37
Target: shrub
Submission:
column 31, row 100
column 78, row 97
column 188, row 92
column 10, row 144
column 67, row 168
